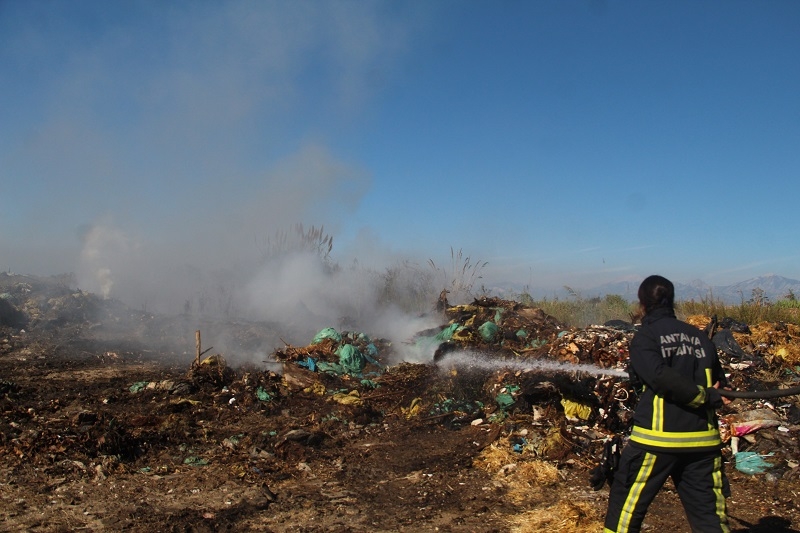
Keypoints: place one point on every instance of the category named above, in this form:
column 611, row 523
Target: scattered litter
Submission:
column 263, row 395
column 351, row 398
column 193, row 460
column 138, row 386
column 740, row 424
column 752, row 463
column 576, row 411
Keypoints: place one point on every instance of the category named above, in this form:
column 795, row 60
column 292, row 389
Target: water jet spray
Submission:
column 481, row 360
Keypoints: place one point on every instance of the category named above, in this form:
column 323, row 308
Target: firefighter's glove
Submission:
column 713, row 398
column 604, row 472
column 634, row 379
column 597, row 477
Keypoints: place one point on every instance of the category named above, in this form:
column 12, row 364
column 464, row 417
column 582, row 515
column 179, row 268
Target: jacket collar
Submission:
column 657, row 314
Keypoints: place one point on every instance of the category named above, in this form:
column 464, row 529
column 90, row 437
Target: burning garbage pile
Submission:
column 496, row 325
column 589, row 400
column 494, row 363
column 561, row 393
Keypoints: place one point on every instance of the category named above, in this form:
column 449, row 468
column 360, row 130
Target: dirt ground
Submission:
column 100, row 433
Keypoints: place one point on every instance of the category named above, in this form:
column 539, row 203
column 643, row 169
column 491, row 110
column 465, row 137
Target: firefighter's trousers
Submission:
column 698, row 478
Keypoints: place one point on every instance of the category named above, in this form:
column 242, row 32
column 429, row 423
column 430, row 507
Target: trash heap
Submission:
column 760, row 435
column 556, row 412
column 604, row 346
column 567, row 413
column 340, row 365
column 332, row 352
column 493, row 323
column 542, row 391
column 33, row 301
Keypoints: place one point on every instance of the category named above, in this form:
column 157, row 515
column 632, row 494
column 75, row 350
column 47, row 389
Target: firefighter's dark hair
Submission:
column 655, row 292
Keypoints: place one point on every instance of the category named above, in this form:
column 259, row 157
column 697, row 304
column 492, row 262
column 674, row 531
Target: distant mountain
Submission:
column 771, row 286
column 695, row 290
column 774, row 288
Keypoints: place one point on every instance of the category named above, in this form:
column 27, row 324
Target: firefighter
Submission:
column 675, row 431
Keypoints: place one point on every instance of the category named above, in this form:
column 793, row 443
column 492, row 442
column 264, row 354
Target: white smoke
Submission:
column 105, row 249
column 301, row 291
column 216, row 139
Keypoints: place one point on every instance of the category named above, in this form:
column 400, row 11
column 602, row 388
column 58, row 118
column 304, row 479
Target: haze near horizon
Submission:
column 151, row 146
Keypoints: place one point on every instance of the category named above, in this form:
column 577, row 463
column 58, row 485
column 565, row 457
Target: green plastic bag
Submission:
column 327, row 333
column 447, row 333
column 351, row 359
column 263, row 395
column 752, row 463
column 506, row 398
column 488, row 331
column 498, row 315
column 138, row 386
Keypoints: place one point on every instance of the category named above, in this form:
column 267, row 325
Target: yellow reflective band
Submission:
column 635, row 492
column 700, row 399
column 721, row 510
column 658, row 413
column 676, row 439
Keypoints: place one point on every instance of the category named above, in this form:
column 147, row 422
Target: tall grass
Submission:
column 581, row 312
column 752, row 311
column 299, row 239
column 406, row 286
column 578, row 311
column 461, row 276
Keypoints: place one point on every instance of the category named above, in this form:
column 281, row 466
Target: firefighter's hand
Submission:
column 713, row 398
column 725, row 401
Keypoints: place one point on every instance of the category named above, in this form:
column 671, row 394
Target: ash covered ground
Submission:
column 111, row 422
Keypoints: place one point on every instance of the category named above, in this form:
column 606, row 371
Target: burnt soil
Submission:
column 104, row 431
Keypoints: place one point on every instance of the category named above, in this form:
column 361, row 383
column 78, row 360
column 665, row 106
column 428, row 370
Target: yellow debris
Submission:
column 348, row 399
column 413, row 409
column 316, row 388
column 215, row 360
column 576, row 410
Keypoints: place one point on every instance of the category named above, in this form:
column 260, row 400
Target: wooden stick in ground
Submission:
column 197, row 346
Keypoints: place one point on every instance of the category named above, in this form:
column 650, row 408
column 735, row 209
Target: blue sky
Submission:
column 566, row 143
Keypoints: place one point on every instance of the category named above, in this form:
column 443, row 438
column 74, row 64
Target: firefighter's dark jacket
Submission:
column 677, row 364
